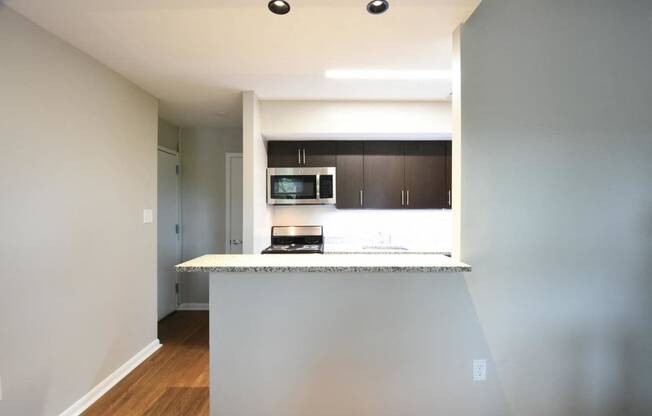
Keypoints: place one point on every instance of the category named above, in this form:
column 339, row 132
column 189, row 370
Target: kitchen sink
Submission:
column 387, row 248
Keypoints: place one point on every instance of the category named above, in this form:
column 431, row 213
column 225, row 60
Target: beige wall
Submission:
column 168, row 134
column 77, row 264
column 256, row 215
column 203, row 201
column 355, row 119
column 557, row 201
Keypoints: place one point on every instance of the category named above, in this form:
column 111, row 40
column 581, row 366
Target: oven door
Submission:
column 299, row 186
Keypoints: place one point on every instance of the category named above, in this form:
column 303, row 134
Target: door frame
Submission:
column 227, row 198
column 174, row 153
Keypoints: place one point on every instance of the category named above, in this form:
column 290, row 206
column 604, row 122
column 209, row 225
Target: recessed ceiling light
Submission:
column 388, row 74
column 377, row 6
column 279, row 6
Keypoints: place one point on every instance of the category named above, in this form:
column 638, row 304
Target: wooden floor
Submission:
column 173, row 381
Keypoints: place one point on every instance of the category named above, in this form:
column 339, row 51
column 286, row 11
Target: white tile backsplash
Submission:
column 431, row 229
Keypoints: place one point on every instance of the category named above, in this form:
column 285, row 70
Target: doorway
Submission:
column 233, row 243
column 168, row 231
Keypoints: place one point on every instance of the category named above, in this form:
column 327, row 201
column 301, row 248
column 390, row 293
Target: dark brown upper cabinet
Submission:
column 288, row 154
column 350, row 175
column 426, row 177
column 319, row 154
column 283, row 154
column 449, row 171
column 384, row 172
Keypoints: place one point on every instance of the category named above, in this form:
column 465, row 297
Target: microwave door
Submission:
column 301, row 186
column 293, row 189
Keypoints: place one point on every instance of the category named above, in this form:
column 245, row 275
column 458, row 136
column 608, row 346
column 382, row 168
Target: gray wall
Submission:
column 347, row 344
column 77, row 264
column 557, row 200
column 168, row 134
column 203, row 203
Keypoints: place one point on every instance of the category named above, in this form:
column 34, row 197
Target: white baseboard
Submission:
column 105, row 385
column 193, row 307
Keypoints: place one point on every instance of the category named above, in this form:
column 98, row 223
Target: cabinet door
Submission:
column 350, row 171
column 426, row 177
column 449, row 172
column 281, row 154
column 319, row 154
column 384, row 170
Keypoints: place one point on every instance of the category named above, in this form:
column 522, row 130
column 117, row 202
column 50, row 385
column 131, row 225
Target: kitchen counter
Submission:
column 285, row 327
column 229, row 263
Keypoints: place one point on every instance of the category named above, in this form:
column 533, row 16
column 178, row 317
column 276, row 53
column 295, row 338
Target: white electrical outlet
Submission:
column 479, row 370
column 148, row 216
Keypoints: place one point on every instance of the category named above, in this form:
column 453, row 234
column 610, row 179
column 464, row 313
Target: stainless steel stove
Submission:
column 296, row 239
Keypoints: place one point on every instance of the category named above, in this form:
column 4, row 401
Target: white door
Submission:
column 234, row 199
column 168, row 232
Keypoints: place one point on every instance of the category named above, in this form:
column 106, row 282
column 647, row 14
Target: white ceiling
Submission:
column 196, row 56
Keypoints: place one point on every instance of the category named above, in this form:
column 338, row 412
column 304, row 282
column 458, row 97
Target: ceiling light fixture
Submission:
column 279, row 7
column 387, row 74
column 377, row 6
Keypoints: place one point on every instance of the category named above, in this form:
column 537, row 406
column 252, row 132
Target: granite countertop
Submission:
column 323, row 263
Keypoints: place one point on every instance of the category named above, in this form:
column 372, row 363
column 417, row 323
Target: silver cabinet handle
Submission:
column 304, row 156
column 408, row 197
column 236, row 242
column 298, row 156
column 449, row 197
column 361, row 197
column 402, row 197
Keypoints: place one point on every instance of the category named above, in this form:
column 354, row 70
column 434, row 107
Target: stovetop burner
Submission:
column 296, row 239
column 294, row 248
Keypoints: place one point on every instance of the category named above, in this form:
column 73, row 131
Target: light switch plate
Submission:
column 148, row 216
column 0, row 388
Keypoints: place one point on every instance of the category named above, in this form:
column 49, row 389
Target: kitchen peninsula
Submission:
column 345, row 334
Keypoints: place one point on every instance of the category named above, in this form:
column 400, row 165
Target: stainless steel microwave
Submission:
column 301, row 186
